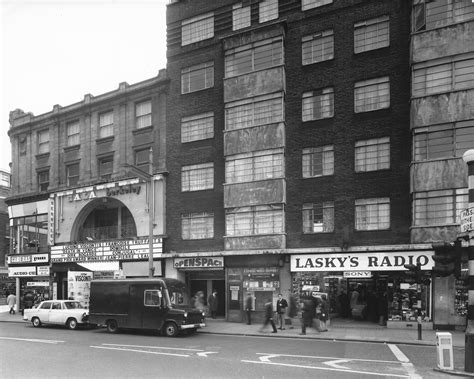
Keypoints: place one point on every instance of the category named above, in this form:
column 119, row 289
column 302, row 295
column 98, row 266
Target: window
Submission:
column 318, row 47
column 249, row 167
column 308, row 4
column 197, row 226
column 440, row 207
column 373, row 94
column 46, row 305
column 260, row 219
column 197, row 29
column 443, row 141
column 434, row 14
column 72, row 174
column 196, row 78
column 30, row 231
column 318, row 161
column 318, row 217
column 253, row 57
column 142, row 159
column 106, row 124
column 444, row 77
column 106, row 167
column 152, row 298
column 143, row 114
column 372, row 155
column 371, row 34
column 317, row 105
column 43, row 180
column 254, row 112
column 73, row 136
column 268, row 10
column 197, row 127
column 197, row 177
column 240, row 17
column 372, row 214
column 43, row 141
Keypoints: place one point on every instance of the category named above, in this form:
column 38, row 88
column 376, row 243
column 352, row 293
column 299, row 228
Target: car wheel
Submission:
column 112, row 326
column 171, row 330
column 72, row 323
column 36, row 322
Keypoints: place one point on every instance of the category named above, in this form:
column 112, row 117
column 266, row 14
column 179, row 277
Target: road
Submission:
column 54, row 352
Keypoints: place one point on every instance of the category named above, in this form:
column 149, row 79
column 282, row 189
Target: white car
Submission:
column 59, row 312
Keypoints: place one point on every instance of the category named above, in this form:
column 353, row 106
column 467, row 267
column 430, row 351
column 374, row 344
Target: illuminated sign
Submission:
column 199, row 262
column 29, row 258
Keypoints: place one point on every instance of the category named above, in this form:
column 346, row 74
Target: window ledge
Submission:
column 144, row 130
column 43, row 155
column 68, row 149
column 104, row 140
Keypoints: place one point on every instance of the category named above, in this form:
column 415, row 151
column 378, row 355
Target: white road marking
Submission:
column 31, row 340
column 266, row 358
column 411, row 371
column 139, row 351
column 151, row 347
column 335, row 363
column 320, row 357
column 205, row 353
column 398, row 353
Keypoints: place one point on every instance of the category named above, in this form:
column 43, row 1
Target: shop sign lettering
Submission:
column 357, row 274
column 22, row 271
column 209, row 262
column 124, row 190
column 388, row 261
column 80, row 196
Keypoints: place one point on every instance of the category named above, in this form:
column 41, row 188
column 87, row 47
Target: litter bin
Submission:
column 444, row 351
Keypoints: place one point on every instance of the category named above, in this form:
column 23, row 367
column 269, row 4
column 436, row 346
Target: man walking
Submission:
column 282, row 304
column 269, row 316
column 212, row 301
column 11, row 301
column 248, row 308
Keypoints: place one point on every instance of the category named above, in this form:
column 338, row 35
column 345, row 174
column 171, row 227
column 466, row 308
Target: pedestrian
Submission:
column 249, row 307
column 269, row 316
column 199, row 300
column 292, row 309
column 317, row 313
column 282, row 304
column 344, row 305
column 382, row 309
column 324, row 314
column 355, row 299
column 11, row 301
column 307, row 315
column 213, row 301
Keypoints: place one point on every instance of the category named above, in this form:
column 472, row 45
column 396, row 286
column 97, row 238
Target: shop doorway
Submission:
column 219, row 286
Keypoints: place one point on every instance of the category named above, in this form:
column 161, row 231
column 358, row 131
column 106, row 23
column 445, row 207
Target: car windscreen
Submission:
column 73, row 305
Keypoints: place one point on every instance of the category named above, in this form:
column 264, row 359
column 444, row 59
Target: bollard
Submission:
column 419, row 328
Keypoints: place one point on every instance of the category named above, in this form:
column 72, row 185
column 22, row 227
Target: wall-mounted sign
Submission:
column 357, row 274
column 79, row 286
column 199, row 263
column 21, row 271
column 37, row 284
column 466, row 220
column 28, row 258
column 387, row 261
column 42, row 270
column 118, row 250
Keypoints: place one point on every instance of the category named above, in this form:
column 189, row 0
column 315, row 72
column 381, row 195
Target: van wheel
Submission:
column 112, row 326
column 72, row 323
column 171, row 330
column 36, row 322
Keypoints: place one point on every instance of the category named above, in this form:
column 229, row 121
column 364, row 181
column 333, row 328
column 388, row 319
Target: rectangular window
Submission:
column 197, row 226
column 106, row 124
column 257, row 111
column 443, row 141
column 443, row 77
column 268, row 10
column 73, row 136
column 143, row 114
column 440, row 207
column 197, row 127
column 373, row 94
column 318, row 217
column 197, row 29
column 43, row 141
column 197, row 177
column 317, row 105
column 372, row 155
column 371, row 34
column 152, row 298
column 142, row 159
column 372, row 214
column 43, row 180
column 260, row 219
column 198, row 77
column 72, row 174
column 434, row 14
column 240, row 17
column 255, row 166
column 318, row 161
column 309, row 4
column 253, row 57
column 106, row 167
column 318, row 47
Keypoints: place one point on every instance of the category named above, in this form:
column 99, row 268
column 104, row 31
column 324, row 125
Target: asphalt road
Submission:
column 54, row 352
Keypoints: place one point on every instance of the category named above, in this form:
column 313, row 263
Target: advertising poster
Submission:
column 79, row 286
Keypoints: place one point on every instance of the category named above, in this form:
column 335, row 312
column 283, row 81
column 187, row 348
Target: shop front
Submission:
column 371, row 287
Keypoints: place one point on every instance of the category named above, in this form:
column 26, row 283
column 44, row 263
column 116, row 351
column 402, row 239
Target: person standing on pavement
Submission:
column 212, row 301
column 292, row 308
column 11, row 301
column 307, row 315
column 324, row 314
column 249, row 308
column 269, row 316
column 282, row 304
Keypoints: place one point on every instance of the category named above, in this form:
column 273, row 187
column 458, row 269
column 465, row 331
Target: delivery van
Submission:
column 143, row 304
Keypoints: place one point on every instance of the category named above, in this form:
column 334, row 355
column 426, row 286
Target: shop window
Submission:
column 318, row 161
column 268, row 10
column 43, row 141
column 72, row 174
column 309, row 4
column 73, row 136
column 240, row 16
column 440, row 207
column 249, row 167
column 106, row 124
column 403, row 299
column 317, row 105
column 197, row 78
column 371, row 34
column 197, row 127
column 372, row 155
column 43, row 180
column 197, row 177
column 197, row 29
column 318, row 47
column 197, row 226
column 371, row 95
column 318, row 217
column 29, row 234
column 372, row 214
column 261, row 219
column 143, row 114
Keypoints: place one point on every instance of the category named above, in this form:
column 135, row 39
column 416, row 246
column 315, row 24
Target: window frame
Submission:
column 310, row 4
column 142, row 165
column 312, row 103
column 327, row 214
column 268, row 10
column 367, row 87
column 75, row 180
column 253, row 166
column 190, row 177
column 198, row 28
column 309, row 166
column 43, row 180
column 191, row 223
column 205, row 69
column 143, row 120
column 241, row 17
column 361, row 45
column 43, row 141
column 106, row 128
column 315, row 43
column 364, row 151
column 369, row 206
column 253, row 218
column 73, row 133
column 104, row 162
column 200, row 125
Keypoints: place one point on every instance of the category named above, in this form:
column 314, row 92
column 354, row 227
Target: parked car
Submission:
column 59, row 312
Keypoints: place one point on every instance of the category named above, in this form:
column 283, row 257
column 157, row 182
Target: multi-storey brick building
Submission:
column 7, row 284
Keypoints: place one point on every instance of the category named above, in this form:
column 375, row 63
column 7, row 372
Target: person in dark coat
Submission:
column 292, row 308
column 308, row 314
column 344, row 306
column 212, row 301
column 269, row 316
column 382, row 309
column 249, row 308
column 282, row 304
column 324, row 314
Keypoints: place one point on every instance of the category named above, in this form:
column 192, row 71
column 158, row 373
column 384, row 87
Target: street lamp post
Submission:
column 151, row 214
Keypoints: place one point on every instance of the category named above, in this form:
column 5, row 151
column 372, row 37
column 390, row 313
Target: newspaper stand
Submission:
column 444, row 351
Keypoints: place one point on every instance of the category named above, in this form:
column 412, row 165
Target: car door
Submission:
column 43, row 311
column 57, row 313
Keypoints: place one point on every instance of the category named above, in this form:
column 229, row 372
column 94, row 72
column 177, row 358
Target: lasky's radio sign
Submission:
column 389, row 261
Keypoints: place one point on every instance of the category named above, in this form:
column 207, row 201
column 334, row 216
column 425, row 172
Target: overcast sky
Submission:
column 55, row 52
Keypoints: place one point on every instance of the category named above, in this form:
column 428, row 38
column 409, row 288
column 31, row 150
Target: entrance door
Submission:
column 219, row 286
